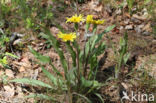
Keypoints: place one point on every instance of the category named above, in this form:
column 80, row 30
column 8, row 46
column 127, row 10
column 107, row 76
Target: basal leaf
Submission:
column 43, row 59
column 41, row 96
column 55, row 70
column 50, row 76
column 32, row 82
column 12, row 55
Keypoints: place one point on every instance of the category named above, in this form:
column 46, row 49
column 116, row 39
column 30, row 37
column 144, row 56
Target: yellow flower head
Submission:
column 75, row 19
column 98, row 22
column 89, row 19
column 67, row 37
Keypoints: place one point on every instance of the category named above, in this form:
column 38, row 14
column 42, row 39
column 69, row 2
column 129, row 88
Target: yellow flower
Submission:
column 89, row 19
column 98, row 22
column 67, row 37
column 75, row 19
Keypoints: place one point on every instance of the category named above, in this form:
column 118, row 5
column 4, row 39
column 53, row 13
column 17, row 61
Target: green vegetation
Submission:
column 76, row 81
column 79, row 43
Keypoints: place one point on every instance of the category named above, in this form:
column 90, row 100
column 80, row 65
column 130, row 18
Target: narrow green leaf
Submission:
column 56, row 46
column 96, row 85
column 50, row 76
column 76, row 45
column 43, row 59
column 32, row 82
column 82, row 96
column 72, row 52
column 108, row 29
column 41, row 96
column 72, row 76
column 86, row 83
column 96, row 39
column 99, row 96
column 4, row 61
column 55, row 70
column 12, row 55
column 87, row 48
column 33, row 51
column 126, row 57
column 100, row 49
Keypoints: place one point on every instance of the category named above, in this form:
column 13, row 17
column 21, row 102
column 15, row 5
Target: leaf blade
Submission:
column 32, row 82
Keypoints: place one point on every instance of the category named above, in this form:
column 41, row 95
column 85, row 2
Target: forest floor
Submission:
column 141, row 46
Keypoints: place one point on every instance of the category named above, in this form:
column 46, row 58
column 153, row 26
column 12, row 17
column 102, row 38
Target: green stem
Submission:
column 94, row 29
column 87, row 27
column 69, row 94
column 78, row 63
column 119, row 65
column 86, row 62
column 76, row 27
column 78, row 68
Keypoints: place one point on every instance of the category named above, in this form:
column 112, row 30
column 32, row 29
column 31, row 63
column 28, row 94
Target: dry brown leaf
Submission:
column 95, row 5
column 139, row 17
column 24, row 63
column 147, row 27
column 127, row 15
column 148, row 62
column 54, row 31
column 9, row 73
column 21, row 69
column 35, row 74
column 19, row 92
column 125, row 85
column 9, row 91
column 53, row 55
